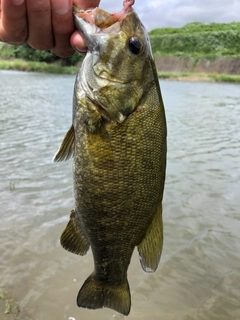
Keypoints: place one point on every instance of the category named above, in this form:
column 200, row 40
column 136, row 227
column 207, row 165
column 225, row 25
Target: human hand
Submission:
column 43, row 24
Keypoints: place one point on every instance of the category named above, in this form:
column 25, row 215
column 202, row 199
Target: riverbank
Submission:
column 199, row 69
column 199, row 77
column 194, row 52
column 221, row 65
column 169, row 68
column 30, row 66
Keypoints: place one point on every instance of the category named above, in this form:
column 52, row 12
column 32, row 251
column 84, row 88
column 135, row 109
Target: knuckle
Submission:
column 39, row 8
column 62, row 26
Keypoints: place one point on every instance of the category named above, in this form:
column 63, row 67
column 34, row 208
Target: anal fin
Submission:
column 72, row 238
column 66, row 149
column 150, row 248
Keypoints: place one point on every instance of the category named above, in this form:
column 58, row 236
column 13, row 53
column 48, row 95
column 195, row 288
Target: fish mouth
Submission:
column 95, row 21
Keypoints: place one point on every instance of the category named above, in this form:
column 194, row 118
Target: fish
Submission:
column 118, row 144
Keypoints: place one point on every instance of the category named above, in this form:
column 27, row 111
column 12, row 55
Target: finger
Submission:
column 63, row 27
column 78, row 43
column 39, row 24
column 76, row 39
column 13, row 22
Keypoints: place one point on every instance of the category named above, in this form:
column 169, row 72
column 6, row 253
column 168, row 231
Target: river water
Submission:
column 199, row 273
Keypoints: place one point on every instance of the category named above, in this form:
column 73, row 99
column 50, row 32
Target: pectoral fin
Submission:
column 72, row 238
column 66, row 149
column 150, row 248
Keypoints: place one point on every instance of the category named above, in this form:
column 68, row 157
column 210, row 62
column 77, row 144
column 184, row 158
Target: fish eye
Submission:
column 135, row 45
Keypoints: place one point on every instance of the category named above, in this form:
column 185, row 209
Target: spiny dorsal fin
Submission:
column 66, row 149
column 150, row 248
column 72, row 238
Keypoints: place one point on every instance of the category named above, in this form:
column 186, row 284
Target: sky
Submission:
column 176, row 13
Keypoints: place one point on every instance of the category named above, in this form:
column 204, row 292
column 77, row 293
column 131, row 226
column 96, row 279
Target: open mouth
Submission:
column 100, row 18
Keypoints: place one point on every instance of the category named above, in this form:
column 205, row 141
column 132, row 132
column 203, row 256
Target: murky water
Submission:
column 199, row 274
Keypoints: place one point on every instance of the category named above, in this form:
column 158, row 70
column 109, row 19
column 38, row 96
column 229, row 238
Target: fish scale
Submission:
column 118, row 138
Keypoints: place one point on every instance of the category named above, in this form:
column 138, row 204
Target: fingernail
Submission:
column 82, row 52
column 17, row 2
column 60, row 6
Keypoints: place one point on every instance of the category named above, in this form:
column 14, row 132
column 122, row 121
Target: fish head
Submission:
column 116, row 71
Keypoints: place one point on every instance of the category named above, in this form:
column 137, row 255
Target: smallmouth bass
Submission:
column 118, row 143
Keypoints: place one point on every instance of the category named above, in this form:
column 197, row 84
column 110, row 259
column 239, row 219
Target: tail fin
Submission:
column 94, row 295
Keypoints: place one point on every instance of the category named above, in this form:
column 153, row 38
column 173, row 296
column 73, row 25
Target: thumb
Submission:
column 76, row 39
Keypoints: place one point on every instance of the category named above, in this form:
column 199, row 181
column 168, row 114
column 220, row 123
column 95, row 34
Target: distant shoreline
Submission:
column 199, row 77
column 35, row 66
column 222, row 69
column 32, row 66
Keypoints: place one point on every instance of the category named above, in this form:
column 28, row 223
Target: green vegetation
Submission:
column 23, row 65
column 197, row 27
column 225, row 78
column 7, row 304
column 9, row 308
column 200, row 77
column 197, row 40
column 25, row 58
column 192, row 40
column 173, row 76
column 29, row 54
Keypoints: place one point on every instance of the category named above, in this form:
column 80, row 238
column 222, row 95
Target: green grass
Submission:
column 201, row 77
column 174, row 75
column 29, row 66
column 197, row 40
column 22, row 65
column 211, row 44
column 197, row 27
column 224, row 78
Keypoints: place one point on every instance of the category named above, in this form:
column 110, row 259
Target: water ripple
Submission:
column 198, row 277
